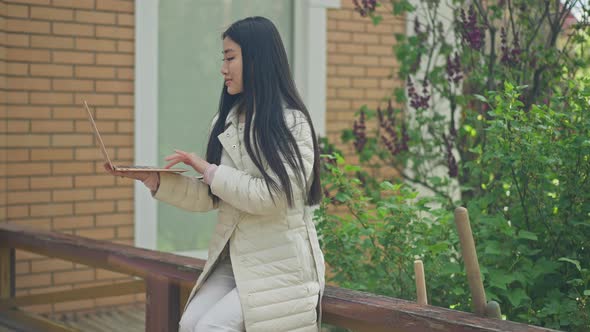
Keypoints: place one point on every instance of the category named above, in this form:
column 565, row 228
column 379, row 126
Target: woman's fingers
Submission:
column 180, row 152
column 172, row 163
column 180, row 156
column 107, row 166
column 173, row 156
column 175, row 159
column 186, row 155
column 189, row 157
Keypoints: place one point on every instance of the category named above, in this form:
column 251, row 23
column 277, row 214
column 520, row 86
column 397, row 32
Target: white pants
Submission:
column 216, row 306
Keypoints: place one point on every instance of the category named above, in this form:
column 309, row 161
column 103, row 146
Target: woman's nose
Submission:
column 223, row 69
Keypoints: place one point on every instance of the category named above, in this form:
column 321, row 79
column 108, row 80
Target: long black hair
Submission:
column 268, row 88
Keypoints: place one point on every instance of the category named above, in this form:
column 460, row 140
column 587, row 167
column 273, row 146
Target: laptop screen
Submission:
column 103, row 150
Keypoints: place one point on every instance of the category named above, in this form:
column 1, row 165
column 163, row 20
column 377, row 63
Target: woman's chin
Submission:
column 232, row 91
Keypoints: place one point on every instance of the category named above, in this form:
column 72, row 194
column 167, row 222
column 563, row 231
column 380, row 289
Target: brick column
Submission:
column 3, row 123
column 58, row 53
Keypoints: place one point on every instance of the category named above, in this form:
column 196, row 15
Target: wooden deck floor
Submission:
column 126, row 318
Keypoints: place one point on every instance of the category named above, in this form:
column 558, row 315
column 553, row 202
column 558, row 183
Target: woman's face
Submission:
column 232, row 66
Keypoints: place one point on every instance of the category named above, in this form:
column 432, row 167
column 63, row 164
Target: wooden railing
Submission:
column 167, row 280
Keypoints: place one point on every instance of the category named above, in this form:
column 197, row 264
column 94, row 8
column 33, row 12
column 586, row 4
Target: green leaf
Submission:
column 572, row 261
column 587, row 292
column 480, row 98
column 351, row 168
column 400, row 95
column 382, row 212
column 438, row 248
column 500, row 279
column 342, row 197
column 544, row 267
column 400, row 37
column 450, row 268
column 402, row 6
column 376, row 19
column 517, row 296
column 347, row 135
column 527, row 235
column 386, row 185
column 493, row 248
column 458, row 290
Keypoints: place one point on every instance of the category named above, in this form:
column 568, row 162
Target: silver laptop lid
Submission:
column 97, row 134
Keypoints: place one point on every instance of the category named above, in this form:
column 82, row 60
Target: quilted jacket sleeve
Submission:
column 249, row 193
column 186, row 192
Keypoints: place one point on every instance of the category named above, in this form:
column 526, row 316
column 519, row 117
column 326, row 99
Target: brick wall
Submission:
column 3, row 124
column 55, row 54
column 361, row 67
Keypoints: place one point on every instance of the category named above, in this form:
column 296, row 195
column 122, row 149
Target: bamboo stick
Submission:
column 421, row 296
column 471, row 264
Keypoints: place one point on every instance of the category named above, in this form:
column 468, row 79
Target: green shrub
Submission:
column 515, row 154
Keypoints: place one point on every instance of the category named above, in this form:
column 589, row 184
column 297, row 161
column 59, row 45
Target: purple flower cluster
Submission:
column 451, row 161
column 327, row 192
column 359, row 132
column 390, row 139
column 331, row 198
column 454, row 73
column 471, row 32
column 510, row 56
column 365, row 7
column 416, row 100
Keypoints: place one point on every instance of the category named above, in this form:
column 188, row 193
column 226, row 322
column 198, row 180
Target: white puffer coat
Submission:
column 274, row 250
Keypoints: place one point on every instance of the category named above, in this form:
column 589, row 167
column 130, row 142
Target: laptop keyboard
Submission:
column 139, row 167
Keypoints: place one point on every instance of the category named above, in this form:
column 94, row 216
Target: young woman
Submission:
column 265, row 269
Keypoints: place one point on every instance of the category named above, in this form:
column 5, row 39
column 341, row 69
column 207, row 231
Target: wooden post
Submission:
column 6, row 273
column 421, row 296
column 471, row 264
column 162, row 307
column 493, row 310
column 183, row 297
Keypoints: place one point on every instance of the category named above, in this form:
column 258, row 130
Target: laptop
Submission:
column 103, row 150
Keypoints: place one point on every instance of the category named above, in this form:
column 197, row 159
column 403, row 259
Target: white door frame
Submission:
column 146, row 117
column 309, row 66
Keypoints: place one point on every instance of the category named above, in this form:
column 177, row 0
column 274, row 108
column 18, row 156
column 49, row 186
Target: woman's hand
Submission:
column 150, row 179
column 189, row 159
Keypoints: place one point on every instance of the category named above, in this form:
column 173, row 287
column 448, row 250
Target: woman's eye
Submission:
column 227, row 59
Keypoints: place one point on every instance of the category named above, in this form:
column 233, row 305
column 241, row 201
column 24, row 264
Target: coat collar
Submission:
column 232, row 116
column 229, row 137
